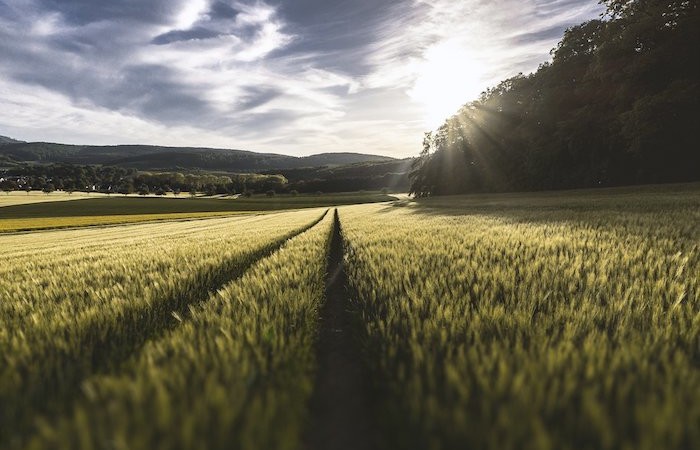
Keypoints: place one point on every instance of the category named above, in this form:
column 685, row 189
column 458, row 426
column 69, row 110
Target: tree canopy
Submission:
column 618, row 104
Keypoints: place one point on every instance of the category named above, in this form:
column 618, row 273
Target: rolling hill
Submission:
column 6, row 140
column 147, row 157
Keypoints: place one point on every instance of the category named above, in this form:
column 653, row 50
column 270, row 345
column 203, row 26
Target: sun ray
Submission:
column 449, row 75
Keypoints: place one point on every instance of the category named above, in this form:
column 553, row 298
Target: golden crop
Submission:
column 236, row 374
column 48, row 223
column 81, row 302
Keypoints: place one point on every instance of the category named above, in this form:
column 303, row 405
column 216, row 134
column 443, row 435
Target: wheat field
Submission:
column 528, row 321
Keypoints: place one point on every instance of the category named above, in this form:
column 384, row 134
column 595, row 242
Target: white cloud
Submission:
column 230, row 81
column 190, row 13
column 448, row 51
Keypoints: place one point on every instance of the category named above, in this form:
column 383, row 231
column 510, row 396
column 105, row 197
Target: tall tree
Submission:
column 618, row 104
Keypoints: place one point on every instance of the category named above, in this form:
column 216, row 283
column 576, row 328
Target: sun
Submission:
column 449, row 76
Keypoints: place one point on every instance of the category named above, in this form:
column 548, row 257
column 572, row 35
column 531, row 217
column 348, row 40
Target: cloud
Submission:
column 83, row 12
column 257, row 96
column 291, row 76
column 446, row 52
column 197, row 33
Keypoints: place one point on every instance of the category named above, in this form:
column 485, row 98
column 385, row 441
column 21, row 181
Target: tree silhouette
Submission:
column 618, row 104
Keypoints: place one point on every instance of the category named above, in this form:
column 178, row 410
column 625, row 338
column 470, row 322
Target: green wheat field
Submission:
column 566, row 320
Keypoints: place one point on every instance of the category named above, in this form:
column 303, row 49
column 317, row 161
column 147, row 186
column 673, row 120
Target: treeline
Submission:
column 112, row 180
column 618, row 104
column 368, row 176
column 394, row 182
column 390, row 175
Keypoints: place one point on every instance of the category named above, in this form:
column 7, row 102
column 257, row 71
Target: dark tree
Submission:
column 126, row 188
column 618, row 104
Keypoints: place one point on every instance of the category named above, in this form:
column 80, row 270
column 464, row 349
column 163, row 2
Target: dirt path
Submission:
column 340, row 417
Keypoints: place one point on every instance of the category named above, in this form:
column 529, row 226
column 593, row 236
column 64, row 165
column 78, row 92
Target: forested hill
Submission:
column 146, row 157
column 7, row 140
column 618, row 104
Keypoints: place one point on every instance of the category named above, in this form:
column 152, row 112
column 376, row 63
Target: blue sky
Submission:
column 286, row 76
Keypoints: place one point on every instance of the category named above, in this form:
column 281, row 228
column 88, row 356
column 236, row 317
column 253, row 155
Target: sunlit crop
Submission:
column 520, row 321
column 235, row 374
column 81, row 302
column 571, row 326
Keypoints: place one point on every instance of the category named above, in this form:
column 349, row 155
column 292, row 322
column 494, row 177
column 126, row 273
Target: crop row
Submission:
column 559, row 330
column 78, row 302
column 237, row 374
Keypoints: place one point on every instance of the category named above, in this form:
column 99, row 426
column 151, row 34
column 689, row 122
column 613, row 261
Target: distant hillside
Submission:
column 341, row 159
column 146, row 157
column 373, row 175
column 6, row 140
column 354, row 170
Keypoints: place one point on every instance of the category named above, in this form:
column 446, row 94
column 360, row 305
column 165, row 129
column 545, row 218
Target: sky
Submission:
column 297, row 77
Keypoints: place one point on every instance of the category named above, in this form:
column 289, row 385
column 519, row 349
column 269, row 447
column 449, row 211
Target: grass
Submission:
column 21, row 197
column 86, row 301
column 640, row 199
column 236, row 374
column 501, row 322
column 48, row 223
column 565, row 320
column 118, row 210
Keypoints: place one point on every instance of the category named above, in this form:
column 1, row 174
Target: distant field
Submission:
column 120, row 209
column 44, row 223
column 560, row 320
column 22, row 198
column 603, row 199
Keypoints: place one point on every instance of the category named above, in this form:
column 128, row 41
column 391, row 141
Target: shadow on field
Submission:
column 635, row 206
column 340, row 406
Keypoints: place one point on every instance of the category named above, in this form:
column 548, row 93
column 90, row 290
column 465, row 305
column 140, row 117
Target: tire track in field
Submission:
column 108, row 351
column 340, row 405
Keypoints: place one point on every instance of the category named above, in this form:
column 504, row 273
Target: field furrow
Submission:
column 238, row 374
column 69, row 312
column 340, row 406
